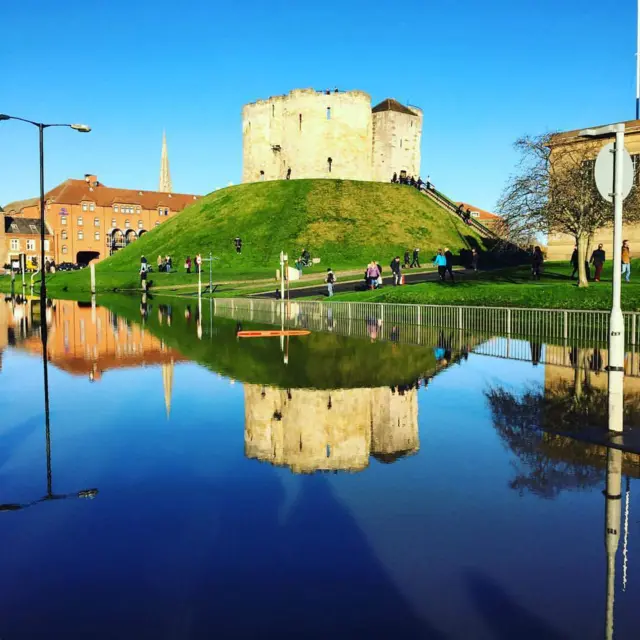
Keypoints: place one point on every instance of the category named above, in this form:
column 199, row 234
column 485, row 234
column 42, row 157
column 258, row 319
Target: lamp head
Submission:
column 4, row 117
column 83, row 128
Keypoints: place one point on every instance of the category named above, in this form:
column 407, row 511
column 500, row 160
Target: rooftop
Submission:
column 23, row 226
column 389, row 104
column 77, row 191
column 482, row 214
column 631, row 126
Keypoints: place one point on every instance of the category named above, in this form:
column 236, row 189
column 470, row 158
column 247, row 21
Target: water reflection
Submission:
column 335, row 404
column 330, row 430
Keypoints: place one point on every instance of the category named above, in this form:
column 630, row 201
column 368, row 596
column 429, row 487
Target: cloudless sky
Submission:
column 484, row 72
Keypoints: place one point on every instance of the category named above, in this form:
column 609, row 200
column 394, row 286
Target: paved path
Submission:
column 358, row 285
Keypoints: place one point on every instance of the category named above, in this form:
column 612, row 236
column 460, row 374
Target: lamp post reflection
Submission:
column 613, row 511
column 50, row 495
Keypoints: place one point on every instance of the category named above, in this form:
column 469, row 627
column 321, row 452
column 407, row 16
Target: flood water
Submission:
column 185, row 483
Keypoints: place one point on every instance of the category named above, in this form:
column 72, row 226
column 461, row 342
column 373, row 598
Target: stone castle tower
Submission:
column 310, row 430
column 329, row 134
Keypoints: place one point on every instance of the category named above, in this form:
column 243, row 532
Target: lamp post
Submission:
column 83, row 128
column 614, row 183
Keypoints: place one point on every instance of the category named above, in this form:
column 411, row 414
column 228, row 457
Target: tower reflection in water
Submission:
column 311, row 430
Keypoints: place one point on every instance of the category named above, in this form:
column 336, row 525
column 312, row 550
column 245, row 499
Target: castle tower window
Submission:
column 300, row 121
column 273, row 110
column 329, row 163
column 328, row 113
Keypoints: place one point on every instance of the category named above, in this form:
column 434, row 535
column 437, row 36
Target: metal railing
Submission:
column 562, row 324
column 515, row 334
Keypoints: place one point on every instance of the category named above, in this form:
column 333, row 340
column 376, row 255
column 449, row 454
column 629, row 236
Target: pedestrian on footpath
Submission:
column 474, row 260
column 407, row 259
column 416, row 258
column 441, row 262
column 330, row 280
column 574, row 262
column 536, row 263
column 448, row 256
column 372, row 275
column 396, row 270
column 626, row 260
column 159, row 263
column 598, row 258
column 187, row 264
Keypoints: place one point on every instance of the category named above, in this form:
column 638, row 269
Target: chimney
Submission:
column 91, row 180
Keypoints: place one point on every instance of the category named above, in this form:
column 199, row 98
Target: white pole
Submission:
column 613, row 508
column 616, row 323
column 200, row 281
column 282, row 275
column 92, row 269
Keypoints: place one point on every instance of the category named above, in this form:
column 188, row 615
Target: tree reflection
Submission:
column 548, row 463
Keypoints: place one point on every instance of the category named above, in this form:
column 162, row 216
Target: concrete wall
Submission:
column 299, row 125
column 396, row 144
column 309, row 430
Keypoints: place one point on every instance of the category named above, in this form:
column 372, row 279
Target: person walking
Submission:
column 598, row 258
column 448, row 256
column 574, row 262
column 407, row 259
column 396, row 270
column 330, row 280
column 144, row 267
column 238, row 243
column 536, row 263
column 289, row 173
column 187, row 264
column 372, row 275
column 474, row 260
column 416, row 258
column 626, row 260
column 441, row 263
column 159, row 263
column 168, row 263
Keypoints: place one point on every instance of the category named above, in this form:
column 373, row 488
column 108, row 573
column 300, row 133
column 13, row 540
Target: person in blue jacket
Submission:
column 441, row 262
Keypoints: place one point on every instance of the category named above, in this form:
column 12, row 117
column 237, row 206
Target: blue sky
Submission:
column 484, row 73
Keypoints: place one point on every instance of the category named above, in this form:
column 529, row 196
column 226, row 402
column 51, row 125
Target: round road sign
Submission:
column 603, row 172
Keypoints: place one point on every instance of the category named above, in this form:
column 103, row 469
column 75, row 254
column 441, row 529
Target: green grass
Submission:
column 512, row 287
column 344, row 223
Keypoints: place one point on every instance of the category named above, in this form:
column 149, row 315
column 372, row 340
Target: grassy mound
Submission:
column 345, row 223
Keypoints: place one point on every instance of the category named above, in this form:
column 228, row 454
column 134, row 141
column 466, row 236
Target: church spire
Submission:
column 165, row 175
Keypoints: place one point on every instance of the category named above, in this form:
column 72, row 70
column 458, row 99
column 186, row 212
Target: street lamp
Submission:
column 611, row 184
column 82, row 128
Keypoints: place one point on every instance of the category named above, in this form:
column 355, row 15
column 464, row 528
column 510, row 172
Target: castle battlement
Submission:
column 329, row 134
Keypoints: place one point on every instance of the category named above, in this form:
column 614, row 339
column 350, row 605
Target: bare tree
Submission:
column 553, row 191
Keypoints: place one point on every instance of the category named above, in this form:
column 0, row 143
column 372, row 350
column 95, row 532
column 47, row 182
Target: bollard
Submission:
column 92, row 270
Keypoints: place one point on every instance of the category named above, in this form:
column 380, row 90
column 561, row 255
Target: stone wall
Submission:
column 302, row 130
column 330, row 430
column 396, row 143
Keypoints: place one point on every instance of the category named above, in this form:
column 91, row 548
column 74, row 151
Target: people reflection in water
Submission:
column 536, row 353
column 372, row 328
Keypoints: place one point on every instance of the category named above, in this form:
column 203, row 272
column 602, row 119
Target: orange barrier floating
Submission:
column 273, row 334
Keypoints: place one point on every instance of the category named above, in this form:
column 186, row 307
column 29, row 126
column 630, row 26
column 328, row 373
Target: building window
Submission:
column 14, row 227
column 31, row 245
column 115, row 208
column 92, row 207
column 96, row 235
column 63, row 234
column 113, row 222
column 328, row 113
column 157, row 223
column 96, row 222
column 127, row 224
column 33, row 228
column 300, row 121
column 84, row 206
column 63, row 220
column 140, row 224
column 46, row 245
column 64, row 248
column 15, row 245
column 80, row 221
column 80, row 235
column 475, row 214
column 273, row 112
column 166, row 212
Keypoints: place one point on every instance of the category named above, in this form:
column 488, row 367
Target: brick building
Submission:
column 89, row 221
column 20, row 234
